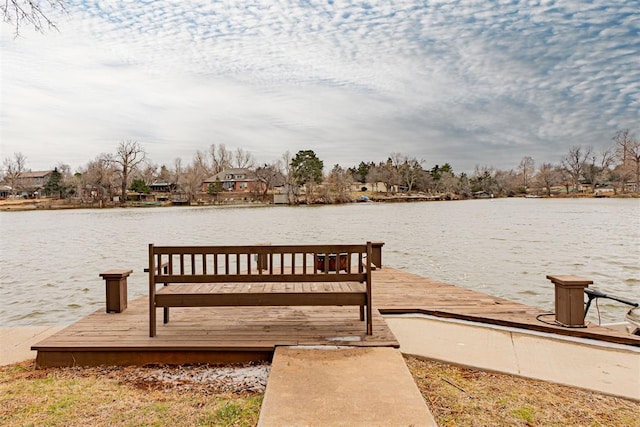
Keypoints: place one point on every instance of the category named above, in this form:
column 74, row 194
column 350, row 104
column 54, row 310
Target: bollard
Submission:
column 116, row 289
column 569, row 295
column 376, row 253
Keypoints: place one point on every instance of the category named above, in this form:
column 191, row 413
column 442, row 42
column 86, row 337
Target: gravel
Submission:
column 209, row 379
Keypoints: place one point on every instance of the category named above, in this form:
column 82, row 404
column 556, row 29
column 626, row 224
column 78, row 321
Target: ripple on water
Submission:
column 500, row 247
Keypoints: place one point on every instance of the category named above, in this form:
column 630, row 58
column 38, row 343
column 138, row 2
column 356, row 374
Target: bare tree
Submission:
column 634, row 158
column 484, row 179
column 270, row 175
column 385, row 172
column 447, row 183
column 13, row 169
column 623, row 139
column 411, row 172
column 291, row 188
column 547, row 177
column 220, row 158
column 527, row 169
column 506, row 183
column 30, row 12
column 627, row 151
column 177, row 170
column 200, row 162
column 597, row 172
column 243, row 159
column 575, row 162
column 129, row 156
column 99, row 178
column 441, row 179
column 164, row 175
column 463, row 187
column 623, row 172
column 192, row 177
column 338, row 186
column 148, row 172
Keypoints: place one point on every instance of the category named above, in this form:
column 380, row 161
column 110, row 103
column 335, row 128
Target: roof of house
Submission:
column 35, row 174
column 249, row 175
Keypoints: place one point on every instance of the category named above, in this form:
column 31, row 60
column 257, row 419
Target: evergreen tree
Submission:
column 215, row 187
column 54, row 186
column 362, row 171
column 139, row 186
column 306, row 170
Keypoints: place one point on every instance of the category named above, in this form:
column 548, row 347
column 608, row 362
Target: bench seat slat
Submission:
column 260, row 299
column 199, row 288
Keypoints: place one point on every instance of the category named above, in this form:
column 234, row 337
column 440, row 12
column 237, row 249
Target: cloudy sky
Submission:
column 466, row 82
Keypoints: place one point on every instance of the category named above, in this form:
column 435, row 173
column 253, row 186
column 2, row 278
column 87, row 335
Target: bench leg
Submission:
column 152, row 321
column 361, row 312
column 369, row 320
column 165, row 317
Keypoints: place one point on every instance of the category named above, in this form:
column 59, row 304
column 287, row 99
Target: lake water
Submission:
column 50, row 260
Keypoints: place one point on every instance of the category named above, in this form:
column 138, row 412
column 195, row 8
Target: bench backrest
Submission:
column 260, row 263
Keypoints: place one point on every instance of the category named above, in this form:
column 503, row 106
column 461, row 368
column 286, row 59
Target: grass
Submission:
column 457, row 396
column 104, row 397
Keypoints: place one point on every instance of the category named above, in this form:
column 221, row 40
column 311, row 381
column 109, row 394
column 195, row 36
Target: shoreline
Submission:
column 21, row 205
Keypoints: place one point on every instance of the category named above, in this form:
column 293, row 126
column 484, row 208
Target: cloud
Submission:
column 467, row 83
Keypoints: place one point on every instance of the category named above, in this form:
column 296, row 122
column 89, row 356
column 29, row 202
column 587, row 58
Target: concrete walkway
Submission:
column 577, row 362
column 15, row 343
column 331, row 386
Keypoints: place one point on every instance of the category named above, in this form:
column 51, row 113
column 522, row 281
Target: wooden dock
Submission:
column 239, row 334
column 397, row 291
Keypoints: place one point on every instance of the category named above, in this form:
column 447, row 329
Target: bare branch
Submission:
column 30, row 12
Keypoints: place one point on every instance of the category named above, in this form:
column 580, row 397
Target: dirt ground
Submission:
column 459, row 396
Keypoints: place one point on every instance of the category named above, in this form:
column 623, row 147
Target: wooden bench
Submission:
column 260, row 275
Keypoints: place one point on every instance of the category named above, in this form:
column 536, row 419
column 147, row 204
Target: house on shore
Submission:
column 5, row 191
column 241, row 180
column 162, row 187
column 28, row 184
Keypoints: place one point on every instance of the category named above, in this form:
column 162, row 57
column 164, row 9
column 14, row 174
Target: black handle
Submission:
column 594, row 293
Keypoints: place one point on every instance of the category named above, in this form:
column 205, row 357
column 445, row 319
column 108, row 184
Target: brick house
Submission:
column 240, row 180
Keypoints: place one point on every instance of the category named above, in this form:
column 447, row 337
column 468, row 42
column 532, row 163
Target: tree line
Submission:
column 616, row 168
